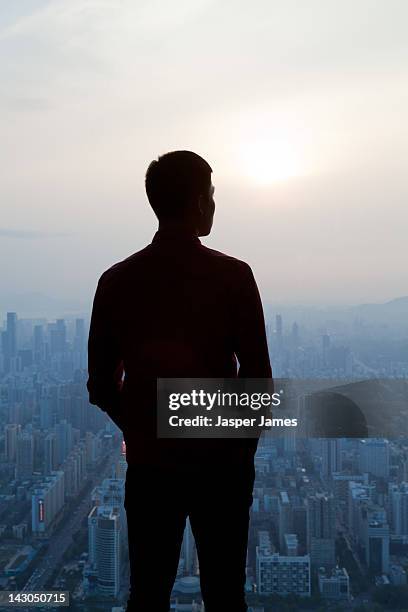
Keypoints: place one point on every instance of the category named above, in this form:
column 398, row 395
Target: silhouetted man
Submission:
column 177, row 309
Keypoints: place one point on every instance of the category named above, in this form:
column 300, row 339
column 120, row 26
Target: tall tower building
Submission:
column 331, row 456
column 50, row 453
column 38, row 344
column 325, row 348
column 285, row 518
column 11, row 433
column 46, row 417
column 79, row 344
column 374, row 457
column 398, row 494
column 63, row 431
column 188, row 550
column 376, row 539
column 46, row 502
column 25, row 456
column 104, row 540
column 12, row 334
column 295, row 335
column 58, row 337
column 321, row 529
column 9, row 342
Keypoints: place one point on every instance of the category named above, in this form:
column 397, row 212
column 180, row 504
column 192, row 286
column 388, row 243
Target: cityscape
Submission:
column 329, row 520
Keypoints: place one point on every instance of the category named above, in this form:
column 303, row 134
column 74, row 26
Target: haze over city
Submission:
column 298, row 107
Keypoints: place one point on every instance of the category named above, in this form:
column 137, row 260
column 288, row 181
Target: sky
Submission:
column 299, row 107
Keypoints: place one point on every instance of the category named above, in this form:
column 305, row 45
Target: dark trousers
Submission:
column 217, row 501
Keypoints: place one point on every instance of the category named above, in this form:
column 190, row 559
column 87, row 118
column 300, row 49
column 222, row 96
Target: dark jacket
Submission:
column 175, row 309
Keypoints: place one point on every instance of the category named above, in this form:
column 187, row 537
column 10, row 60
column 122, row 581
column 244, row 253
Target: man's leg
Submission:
column 156, row 519
column 219, row 520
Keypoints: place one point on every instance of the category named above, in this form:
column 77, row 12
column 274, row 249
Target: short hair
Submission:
column 174, row 180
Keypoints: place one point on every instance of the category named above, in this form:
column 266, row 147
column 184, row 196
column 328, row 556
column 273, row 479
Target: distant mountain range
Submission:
column 392, row 314
column 397, row 305
column 38, row 305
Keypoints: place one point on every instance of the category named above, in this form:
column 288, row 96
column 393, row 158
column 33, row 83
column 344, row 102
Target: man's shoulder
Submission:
column 223, row 259
column 119, row 269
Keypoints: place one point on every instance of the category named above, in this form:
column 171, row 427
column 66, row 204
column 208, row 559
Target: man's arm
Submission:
column 105, row 366
column 251, row 347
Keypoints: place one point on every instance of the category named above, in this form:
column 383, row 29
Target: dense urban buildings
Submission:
column 329, row 521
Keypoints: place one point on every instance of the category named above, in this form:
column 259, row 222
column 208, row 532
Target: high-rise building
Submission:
column 79, row 344
column 46, row 416
column 359, row 496
column 374, row 457
column 291, row 545
column 63, row 431
column 110, row 493
column 104, row 556
column 11, row 433
column 376, row 537
column 9, row 343
column 188, row 550
column 295, row 336
column 325, row 348
column 12, row 334
column 46, row 502
column 25, row 456
column 282, row 575
column 38, row 344
column 331, row 456
column 321, row 529
column 75, row 469
column 58, row 337
column 398, row 494
column 50, row 453
column 285, row 518
column 299, row 516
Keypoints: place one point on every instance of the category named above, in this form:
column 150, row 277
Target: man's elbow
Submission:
column 94, row 395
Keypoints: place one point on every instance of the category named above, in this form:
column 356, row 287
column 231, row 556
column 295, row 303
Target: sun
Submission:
column 270, row 161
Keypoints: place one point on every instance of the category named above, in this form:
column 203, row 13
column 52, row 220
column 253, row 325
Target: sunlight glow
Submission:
column 269, row 161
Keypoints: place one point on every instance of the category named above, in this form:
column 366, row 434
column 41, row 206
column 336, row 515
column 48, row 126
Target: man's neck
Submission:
column 176, row 233
column 173, row 228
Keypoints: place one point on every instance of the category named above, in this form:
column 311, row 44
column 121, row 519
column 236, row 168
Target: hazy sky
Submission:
column 300, row 108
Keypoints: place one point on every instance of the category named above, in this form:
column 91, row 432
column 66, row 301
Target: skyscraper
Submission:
column 376, row 535
column 38, row 341
column 374, row 457
column 46, row 501
column 12, row 333
column 285, row 518
column 9, row 342
column 11, row 432
column 321, row 529
column 58, row 337
column 399, row 508
column 50, row 453
column 63, row 431
column 25, row 456
column 79, row 344
column 104, row 539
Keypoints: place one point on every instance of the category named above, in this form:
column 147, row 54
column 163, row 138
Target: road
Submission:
column 61, row 540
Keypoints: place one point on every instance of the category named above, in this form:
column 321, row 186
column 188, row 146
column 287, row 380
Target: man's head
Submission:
column 180, row 191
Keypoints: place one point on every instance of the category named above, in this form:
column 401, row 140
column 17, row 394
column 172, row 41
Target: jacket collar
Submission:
column 176, row 236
